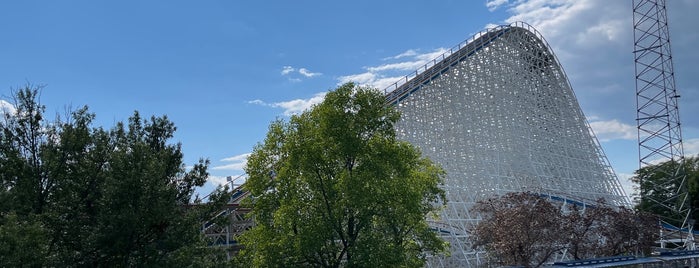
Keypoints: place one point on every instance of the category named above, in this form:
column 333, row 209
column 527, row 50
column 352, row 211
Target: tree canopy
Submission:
column 77, row 195
column 333, row 187
column 526, row 229
column 663, row 182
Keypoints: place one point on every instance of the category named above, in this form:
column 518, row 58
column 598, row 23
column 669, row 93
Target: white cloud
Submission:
column 490, row 26
column 401, row 66
column 217, row 180
column 426, row 57
column 362, row 78
column 691, row 147
column 627, row 184
column 6, row 108
column 235, row 179
column 495, row 4
column 371, row 79
column 384, row 82
column 292, row 72
column 613, row 130
column 579, row 30
column 407, row 53
column 550, row 16
column 287, row 70
column 231, row 166
column 295, row 106
column 593, row 38
column 258, row 102
column 236, row 158
column 237, row 162
column 384, row 75
column 305, row 72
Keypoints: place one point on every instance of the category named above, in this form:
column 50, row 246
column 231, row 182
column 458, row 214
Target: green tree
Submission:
column 146, row 192
column 691, row 169
column 659, row 183
column 333, row 187
column 23, row 136
column 77, row 162
column 24, row 186
column 79, row 195
column 22, row 242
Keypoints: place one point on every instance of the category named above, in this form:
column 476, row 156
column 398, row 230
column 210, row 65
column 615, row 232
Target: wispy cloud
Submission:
column 217, row 180
column 234, row 163
column 407, row 53
column 287, row 70
column 294, row 74
column 235, row 180
column 305, row 72
column 396, row 67
column 381, row 76
column 401, row 66
column 495, row 4
column 258, row 102
column 295, row 106
column 613, row 130
column 236, row 158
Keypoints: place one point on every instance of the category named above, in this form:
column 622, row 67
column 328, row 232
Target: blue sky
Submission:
column 223, row 70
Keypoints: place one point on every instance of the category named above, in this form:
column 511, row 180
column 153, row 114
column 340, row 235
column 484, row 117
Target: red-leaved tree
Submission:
column 526, row 229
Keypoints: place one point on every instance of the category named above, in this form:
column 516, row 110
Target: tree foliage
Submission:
column 659, row 182
column 525, row 229
column 333, row 187
column 519, row 229
column 73, row 194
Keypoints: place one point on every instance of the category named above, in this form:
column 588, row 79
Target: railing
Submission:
column 455, row 54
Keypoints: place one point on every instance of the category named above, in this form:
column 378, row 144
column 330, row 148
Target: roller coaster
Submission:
column 498, row 113
column 223, row 228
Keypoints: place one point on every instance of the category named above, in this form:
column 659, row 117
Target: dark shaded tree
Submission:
column 660, row 189
column 85, row 196
column 624, row 231
column 146, row 191
column 600, row 230
column 333, row 187
column 526, row 229
column 22, row 242
column 519, row 229
column 581, row 225
column 26, row 184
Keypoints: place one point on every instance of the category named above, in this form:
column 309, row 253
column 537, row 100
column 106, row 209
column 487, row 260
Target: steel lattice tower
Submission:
column 659, row 134
column 498, row 113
